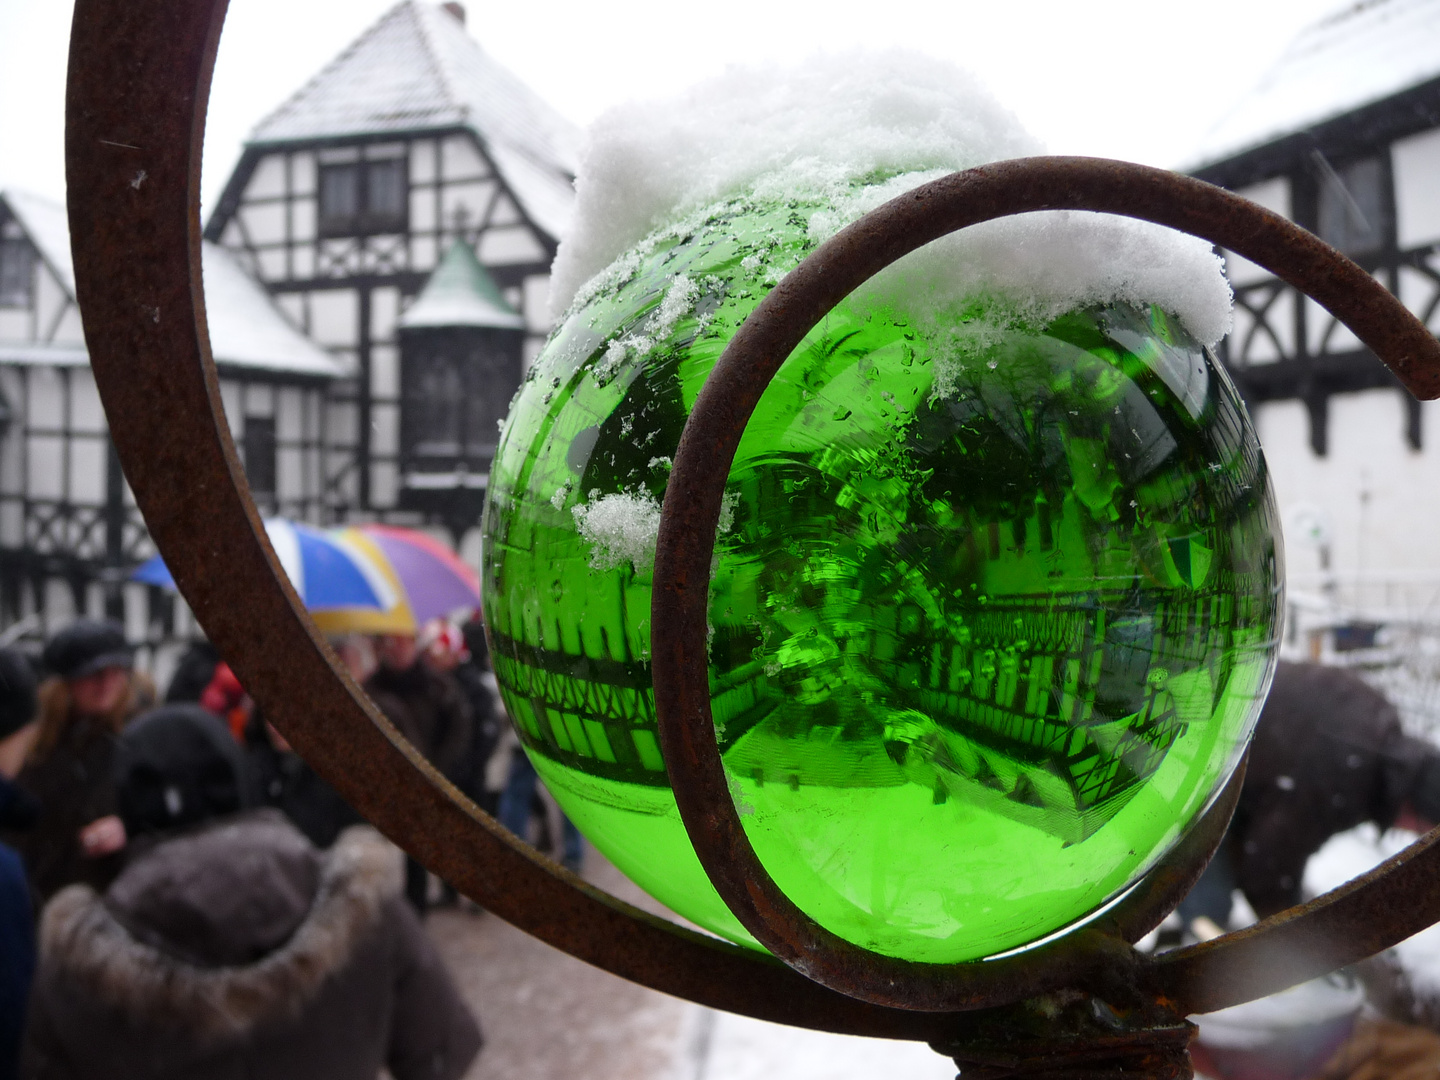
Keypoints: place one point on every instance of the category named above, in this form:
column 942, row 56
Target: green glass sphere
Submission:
column 992, row 612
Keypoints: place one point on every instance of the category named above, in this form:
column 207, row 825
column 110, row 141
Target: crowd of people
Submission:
column 181, row 895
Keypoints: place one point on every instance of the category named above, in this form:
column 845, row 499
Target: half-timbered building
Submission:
column 345, row 202
column 1343, row 137
column 70, row 532
column 376, row 276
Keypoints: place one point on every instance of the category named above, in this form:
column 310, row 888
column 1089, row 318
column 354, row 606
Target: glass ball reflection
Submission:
column 991, row 621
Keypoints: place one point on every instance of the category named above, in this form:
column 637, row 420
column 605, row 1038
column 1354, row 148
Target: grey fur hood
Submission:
column 222, row 930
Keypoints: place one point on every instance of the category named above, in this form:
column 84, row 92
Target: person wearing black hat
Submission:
column 231, row 946
column 91, row 693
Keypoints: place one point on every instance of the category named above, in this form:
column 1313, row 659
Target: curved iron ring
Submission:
column 139, row 75
column 1299, row 944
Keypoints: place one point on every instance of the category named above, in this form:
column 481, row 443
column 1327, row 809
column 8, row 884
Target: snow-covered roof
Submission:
column 461, row 293
column 418, row 69
column 247, row 330
column 1358, row 55
column 48, row 228
column 41, row 354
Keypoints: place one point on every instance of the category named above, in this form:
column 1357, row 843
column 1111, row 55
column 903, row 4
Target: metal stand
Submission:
column 1084, row 1006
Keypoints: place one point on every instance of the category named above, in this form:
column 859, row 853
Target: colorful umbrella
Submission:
column 343, row 583
column 435, row 581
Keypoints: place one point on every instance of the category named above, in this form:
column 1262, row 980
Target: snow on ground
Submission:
column 742, row 1049
column 548, row 1015
column 1352, row 853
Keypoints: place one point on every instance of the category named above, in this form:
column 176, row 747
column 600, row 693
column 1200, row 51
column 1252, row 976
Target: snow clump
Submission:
column 853, row 130
column 679, row 301
column 621, row 528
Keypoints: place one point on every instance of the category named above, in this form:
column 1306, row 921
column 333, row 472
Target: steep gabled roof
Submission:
column 48, row 228
column 417, row 69
column 461, row 292
column 1359, row 55
column 247, row 330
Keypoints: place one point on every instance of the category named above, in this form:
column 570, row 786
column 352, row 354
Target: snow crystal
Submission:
column 679, row 300
column 852, row 131
column 726, row 522
column 620, row 528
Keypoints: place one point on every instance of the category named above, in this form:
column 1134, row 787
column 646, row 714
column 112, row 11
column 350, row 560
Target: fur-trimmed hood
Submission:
column 158, row 951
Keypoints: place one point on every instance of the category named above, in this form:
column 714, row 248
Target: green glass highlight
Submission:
column 993, row 610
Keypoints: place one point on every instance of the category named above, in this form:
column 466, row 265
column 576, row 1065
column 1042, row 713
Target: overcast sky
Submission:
column 1136, row 79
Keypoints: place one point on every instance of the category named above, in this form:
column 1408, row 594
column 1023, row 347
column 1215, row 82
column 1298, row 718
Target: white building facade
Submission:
column 1343, row 137
column 346, row 200
column 70, row 532
column 411, row 153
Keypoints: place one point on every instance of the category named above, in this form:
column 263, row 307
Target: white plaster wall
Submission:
column 1416, row 163
column 1380, row 498
column 1273, row 194
column 268, row 179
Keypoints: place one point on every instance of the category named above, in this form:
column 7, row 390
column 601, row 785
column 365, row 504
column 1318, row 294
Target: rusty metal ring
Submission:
column 1339, row 928
column 139, row 75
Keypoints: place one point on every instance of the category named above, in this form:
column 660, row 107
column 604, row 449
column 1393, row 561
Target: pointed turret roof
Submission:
column 461, row 292
column 418, row 69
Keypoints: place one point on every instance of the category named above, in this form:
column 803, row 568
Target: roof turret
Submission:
column 461, row 292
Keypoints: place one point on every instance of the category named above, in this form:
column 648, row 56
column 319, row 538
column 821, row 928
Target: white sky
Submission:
column 1136, row 79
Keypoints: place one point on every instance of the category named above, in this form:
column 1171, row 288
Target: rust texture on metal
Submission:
column 138, row 79
column 1222, row 973
column 1071, row 1036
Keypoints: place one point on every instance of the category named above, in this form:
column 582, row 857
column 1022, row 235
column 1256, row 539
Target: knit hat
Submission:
column 177, row 766
column 17, row 691
column 85, row 647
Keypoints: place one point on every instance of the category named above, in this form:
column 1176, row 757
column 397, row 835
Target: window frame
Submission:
column 1333, row 195
column 22, row 296
column 364, row 219
column 260, row 445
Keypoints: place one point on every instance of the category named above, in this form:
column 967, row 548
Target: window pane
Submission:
column 494, row 371
column 339, row 198
column 260, row 454
column 385, row 193
column 15, row 273
column 433, row 407
column 1352, row 209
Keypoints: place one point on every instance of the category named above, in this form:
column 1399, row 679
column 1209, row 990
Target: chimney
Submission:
column 457, row 10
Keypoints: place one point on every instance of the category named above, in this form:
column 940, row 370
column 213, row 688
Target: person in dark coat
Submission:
column 461, row 653
column 17, row 811
column 18, row 704
column 424, row 704
column 429, row 710
column 1328, row 754
column 91, row 694
column 279, row 777
column 230, row 946
column 193, row 673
